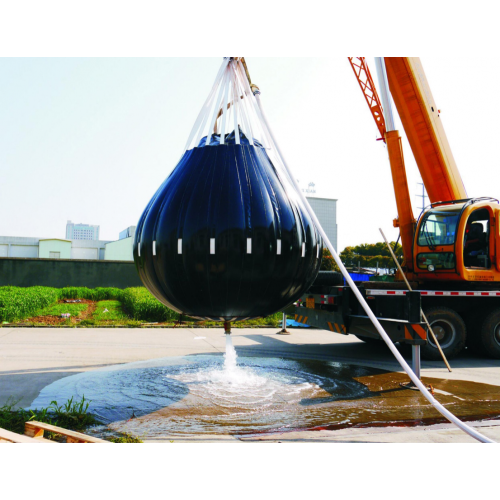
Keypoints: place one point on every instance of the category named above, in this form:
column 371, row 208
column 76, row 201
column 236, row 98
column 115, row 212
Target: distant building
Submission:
column 121, row 249
column 326, row 212
column 81, row 231
column 51, row 248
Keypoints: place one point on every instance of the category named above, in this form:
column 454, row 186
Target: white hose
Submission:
column 439, row 407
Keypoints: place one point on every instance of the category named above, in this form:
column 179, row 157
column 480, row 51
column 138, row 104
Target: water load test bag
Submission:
column 226, row 236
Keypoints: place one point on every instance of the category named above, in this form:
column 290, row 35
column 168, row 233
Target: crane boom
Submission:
column 420, row 117
column 365, row 81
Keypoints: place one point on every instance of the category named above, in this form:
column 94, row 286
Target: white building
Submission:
column 81, row 231
column 121, row 249
column 51, row 248
column 326, row 212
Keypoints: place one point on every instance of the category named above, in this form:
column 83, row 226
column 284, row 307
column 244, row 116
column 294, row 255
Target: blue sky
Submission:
column 91, row 139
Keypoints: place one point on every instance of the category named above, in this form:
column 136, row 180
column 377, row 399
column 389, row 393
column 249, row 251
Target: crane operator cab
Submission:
column 459, row 240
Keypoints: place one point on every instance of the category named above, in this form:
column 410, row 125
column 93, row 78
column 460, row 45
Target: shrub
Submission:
column 141, row 305
column 80, row 292
column 17, row 303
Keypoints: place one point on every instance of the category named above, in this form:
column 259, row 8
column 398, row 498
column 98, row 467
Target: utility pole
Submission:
column 423, row 195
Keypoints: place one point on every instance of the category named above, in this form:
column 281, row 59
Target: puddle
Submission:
column 208, row 394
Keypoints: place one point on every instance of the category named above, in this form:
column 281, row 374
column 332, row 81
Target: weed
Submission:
column 125, row 438
column 72, row 415
column 108, row 311
column 61, row 308
column 17, row 303
column 141, row 305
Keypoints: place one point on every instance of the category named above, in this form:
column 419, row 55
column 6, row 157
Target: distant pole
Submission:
column 283, row 330
column 423, row 195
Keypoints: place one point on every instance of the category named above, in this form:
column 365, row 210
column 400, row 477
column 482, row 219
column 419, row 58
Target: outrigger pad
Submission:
column 223, row 238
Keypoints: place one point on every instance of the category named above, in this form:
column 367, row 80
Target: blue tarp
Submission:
column 293, row 323
column 360, row 277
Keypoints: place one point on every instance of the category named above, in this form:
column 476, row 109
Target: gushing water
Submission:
column 230, row 358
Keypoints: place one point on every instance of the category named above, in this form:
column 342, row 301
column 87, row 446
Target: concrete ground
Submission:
column 32, row 358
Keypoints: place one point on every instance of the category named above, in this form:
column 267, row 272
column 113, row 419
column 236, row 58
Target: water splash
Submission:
column 230, row 358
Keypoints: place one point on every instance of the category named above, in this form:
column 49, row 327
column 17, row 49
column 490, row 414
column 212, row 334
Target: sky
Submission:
column 91, row 139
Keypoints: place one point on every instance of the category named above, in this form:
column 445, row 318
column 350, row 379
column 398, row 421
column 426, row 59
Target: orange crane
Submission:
column 451, row 254
column 455, row 239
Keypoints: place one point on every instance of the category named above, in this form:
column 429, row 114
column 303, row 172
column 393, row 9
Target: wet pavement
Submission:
column 314, row 385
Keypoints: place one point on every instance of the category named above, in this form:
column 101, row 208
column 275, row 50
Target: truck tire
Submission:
column 490, row 335
column 450, row 330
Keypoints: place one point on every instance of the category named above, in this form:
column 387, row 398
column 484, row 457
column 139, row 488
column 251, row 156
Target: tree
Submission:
column 369, row 254
column 327, row 262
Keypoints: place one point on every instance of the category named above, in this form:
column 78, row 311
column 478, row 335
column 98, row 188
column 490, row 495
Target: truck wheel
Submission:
column 490, row 334
column 449, row 328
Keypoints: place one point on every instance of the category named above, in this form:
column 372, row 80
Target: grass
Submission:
column 61, row 308
column 17, row 303
column 95, row 294
column 125, row 438
column 142, row 306
column 130, row 307
column 109, row 311
column 72, row 415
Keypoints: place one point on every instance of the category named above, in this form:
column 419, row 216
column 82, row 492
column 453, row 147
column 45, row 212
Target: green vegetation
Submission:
column 73, row 415
column 368, row 254
column 141, row 305
column 17, row 303
column 125, row 438
column 108, row 311
column 130, row 307
column 96, row 294
column 62, row 308
column 327, row 262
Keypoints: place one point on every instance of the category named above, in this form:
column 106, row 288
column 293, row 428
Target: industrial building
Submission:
column 81, row 231
column 122, row 248
column 81, row 247
column 51, row 248
column 326, row 212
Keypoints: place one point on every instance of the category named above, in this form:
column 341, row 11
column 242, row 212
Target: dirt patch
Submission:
column 58, row 320
column 47, row 320
column 88, row 313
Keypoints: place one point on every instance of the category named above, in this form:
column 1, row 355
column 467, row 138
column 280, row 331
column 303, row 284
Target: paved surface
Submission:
column 31, row 358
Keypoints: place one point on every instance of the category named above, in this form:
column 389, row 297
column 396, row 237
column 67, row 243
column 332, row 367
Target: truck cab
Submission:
column 458, row 241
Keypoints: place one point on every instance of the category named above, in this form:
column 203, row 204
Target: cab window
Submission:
column 438, row 228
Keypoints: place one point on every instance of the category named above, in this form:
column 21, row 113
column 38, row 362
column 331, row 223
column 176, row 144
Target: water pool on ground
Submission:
column 211, row 394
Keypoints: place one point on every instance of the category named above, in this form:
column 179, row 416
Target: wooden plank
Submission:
column 13, row 437
column 33, row 428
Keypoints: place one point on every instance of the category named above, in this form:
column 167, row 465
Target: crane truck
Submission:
column 451, row 252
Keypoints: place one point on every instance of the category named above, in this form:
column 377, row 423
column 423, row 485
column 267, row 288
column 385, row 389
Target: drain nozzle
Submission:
column 227, row 327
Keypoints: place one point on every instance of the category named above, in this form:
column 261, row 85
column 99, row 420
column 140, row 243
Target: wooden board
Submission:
column 12, row 437
column 35, row 430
